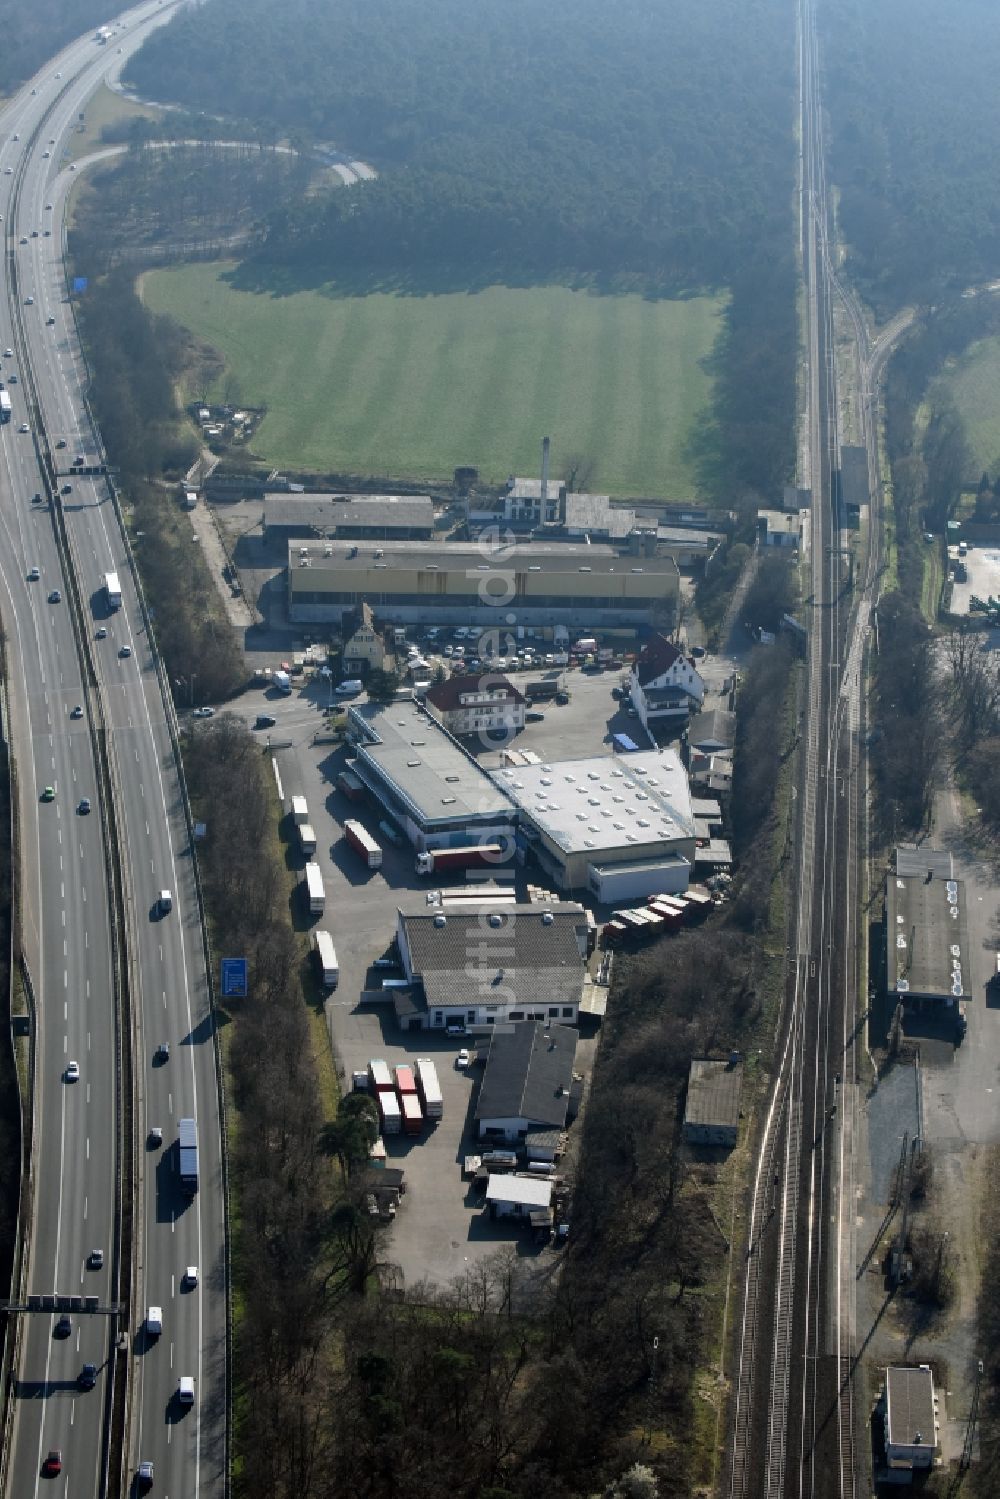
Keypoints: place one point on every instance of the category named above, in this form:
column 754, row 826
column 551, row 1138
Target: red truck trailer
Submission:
column 405, row 1081
column 351, row 786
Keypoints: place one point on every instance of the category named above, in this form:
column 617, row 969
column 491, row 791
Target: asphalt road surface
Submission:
column 65, row 890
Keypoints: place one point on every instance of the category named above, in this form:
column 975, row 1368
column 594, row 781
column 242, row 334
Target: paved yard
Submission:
column 438, row 1231
column 982, row 566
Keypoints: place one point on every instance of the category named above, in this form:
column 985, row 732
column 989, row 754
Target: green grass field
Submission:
column 410, row 387
column 105, row 107
column 973, row 383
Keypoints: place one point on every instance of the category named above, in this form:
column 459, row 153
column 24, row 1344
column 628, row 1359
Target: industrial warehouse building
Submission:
column 525, row 1096
column 541, row 583
column 425, row 780
column 927, row 956
column 479, row 965
column 377, row 517
column 620, row 826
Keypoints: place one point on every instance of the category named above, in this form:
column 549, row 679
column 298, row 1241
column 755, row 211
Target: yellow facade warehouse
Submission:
column 441, row 583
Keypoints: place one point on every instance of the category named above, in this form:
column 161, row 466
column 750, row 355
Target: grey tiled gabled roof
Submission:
column 529, row 1072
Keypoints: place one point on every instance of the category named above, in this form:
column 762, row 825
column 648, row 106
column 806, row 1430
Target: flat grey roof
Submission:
column 715, row 851
column 687, row 536
column 325, row 512
column 642, row 866
column 431, row 774
column 854, row 476
column 549, row 556
column 909, row 1401
column 527, row 1191
column 914, row 860
column 605, row 801
column 926, row 937
column 713, row 1093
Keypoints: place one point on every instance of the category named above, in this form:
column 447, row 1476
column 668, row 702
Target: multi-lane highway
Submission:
column 68, row 934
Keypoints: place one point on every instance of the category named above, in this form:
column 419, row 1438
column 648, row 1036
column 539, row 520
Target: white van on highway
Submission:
column 154, row 1321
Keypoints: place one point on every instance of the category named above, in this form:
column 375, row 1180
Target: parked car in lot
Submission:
column 464, row 1058
column 265, row 721
column 203, row 713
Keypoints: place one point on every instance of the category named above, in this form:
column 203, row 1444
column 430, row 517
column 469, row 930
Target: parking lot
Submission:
column 438, row 1231
column 982, row 566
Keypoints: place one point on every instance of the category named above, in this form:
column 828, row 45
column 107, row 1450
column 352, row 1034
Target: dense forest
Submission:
column 570, row 137
column 31, row 33
column 910, row 87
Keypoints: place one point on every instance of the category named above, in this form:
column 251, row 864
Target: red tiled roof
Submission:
column 446, row 695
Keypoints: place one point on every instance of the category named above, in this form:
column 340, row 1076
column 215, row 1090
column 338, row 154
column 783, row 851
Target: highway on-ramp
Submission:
column 75, row 1179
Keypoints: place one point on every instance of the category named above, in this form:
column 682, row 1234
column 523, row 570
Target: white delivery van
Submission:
column 154, row 1321
column 166, row 902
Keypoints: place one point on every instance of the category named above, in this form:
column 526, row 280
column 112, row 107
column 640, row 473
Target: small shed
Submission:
column 518, row 1196
column 910, row 1410
column 712, row 1112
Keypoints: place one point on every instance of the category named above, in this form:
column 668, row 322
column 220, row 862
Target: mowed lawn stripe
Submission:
column 409, row 387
